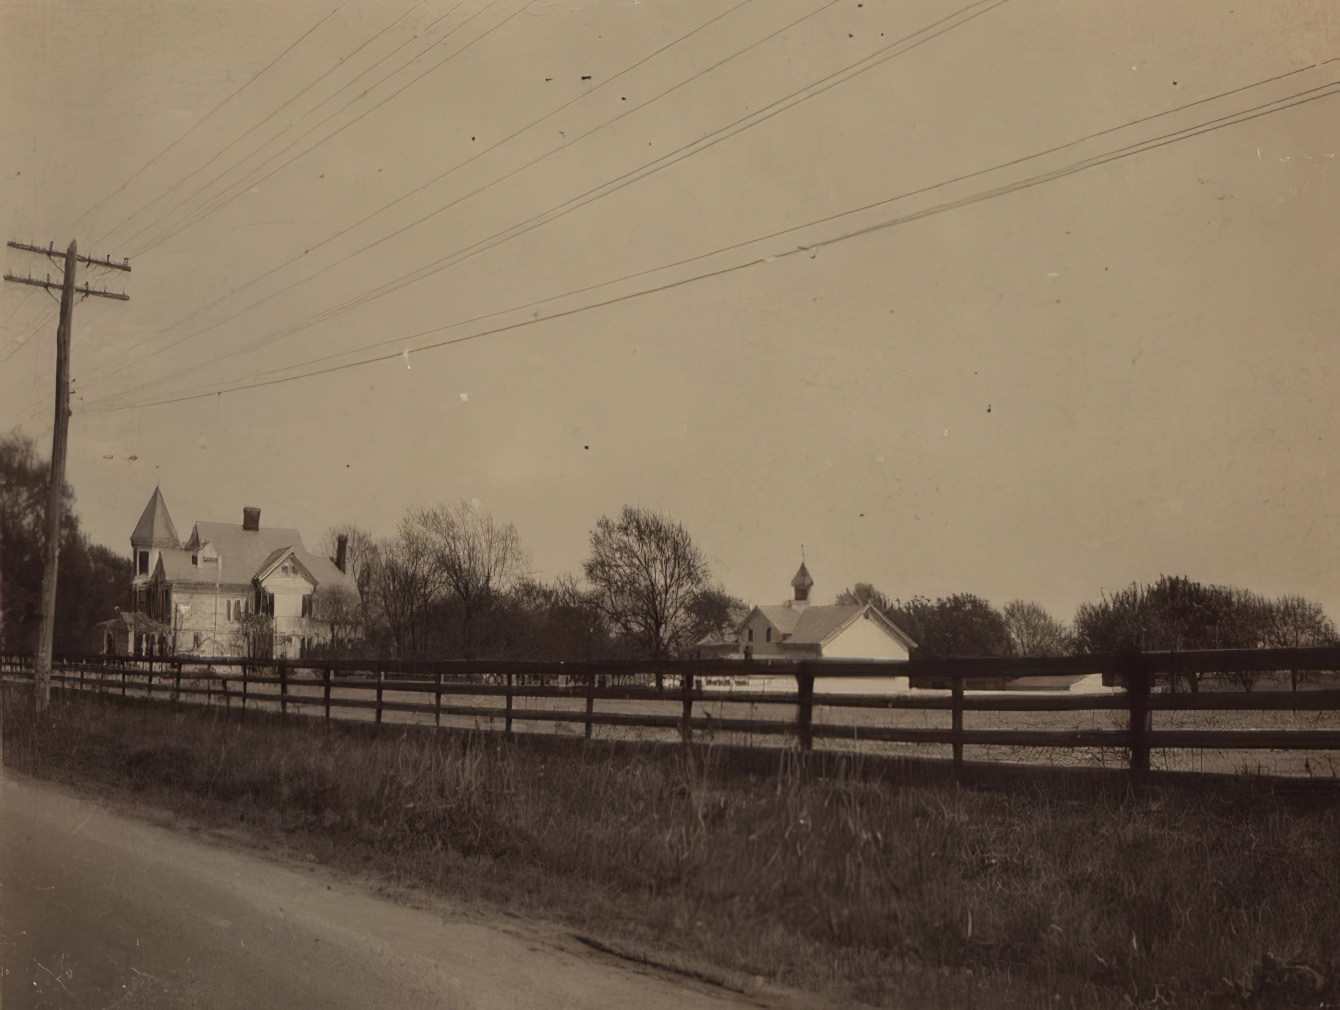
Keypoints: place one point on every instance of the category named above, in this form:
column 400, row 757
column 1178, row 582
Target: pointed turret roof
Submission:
column 155, row 527
column 802, row 579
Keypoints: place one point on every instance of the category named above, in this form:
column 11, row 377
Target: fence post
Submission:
column 326, row 674
column 176, row 682
column 956, row 722
column 1138, row 684
column 246, row 669
column 149, row 683
column 437, row 700
column 282, row 667
column 805, row 708
column 381, row 679
column 590, row 699
column 509, row 704
column 686, row 719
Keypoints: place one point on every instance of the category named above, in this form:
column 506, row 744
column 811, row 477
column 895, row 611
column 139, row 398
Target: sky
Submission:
column 1031, row 299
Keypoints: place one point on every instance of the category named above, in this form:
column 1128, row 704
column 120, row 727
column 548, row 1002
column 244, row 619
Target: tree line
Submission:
column 453, row 581
column 92, row 579
column 1173, row 613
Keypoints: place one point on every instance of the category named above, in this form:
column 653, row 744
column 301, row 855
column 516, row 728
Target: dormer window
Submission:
column 142, row 563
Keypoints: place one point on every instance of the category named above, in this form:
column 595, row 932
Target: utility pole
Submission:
column 59, row 438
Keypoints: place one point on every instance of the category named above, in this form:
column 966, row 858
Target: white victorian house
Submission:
column 227, row 584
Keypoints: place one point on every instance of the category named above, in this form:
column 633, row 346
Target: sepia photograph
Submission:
column 669, row 504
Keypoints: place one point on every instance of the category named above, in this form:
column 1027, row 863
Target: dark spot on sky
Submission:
column 586, row 77
column 586, row 447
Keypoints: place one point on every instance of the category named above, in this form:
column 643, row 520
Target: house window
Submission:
column 768, row 634
column 751, row 634
column 195, row 560
column 197, row 640
column 307, row 605
column 142, row 563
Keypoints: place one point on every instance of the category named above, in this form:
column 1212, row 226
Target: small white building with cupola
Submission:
column 799, row 629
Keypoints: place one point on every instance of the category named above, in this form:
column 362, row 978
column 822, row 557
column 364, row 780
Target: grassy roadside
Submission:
column 846, row 886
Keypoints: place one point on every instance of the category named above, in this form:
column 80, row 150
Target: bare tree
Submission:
column 360, row 551
column 864, row 593
column 475, row 557
column 1293, row 622
column 254, row 636
column 647, row 573
column 339, row 609
column 1033, row 631
column 404, row 588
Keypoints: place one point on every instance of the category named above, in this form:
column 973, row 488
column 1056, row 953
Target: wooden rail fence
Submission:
column 697, row 699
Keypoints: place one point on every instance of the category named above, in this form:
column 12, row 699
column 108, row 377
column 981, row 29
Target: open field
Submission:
column 860, row 885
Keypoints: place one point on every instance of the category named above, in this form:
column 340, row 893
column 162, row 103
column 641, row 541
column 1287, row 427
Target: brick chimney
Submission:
column 251, row 519
column 341, row 551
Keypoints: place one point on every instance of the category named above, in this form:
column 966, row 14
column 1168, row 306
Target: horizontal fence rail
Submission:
column 847, row 703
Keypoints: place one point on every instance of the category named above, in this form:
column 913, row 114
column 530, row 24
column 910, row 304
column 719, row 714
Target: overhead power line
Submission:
column 209, row 115
column 344, row 62
column 248, row 183
column 884, row 52
column 451, row 171
column 251, row 181
column 1129, row 150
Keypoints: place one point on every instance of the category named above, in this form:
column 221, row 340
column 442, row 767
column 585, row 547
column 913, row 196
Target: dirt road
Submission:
column 99, row 910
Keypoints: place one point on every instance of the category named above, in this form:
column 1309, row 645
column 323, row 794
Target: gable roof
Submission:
column 818, row 624
column 784, row 619
column 244, row 554
column 273, row 561
column 155, row 528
